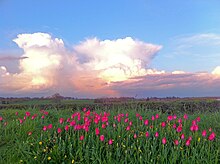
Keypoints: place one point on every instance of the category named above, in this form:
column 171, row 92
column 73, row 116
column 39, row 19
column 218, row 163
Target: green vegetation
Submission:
column 116, row 133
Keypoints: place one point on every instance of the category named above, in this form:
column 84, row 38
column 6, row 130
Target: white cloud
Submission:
column 202, row 39
column 27, row 41
column 178, row 72
column 44, row 56
column 95, row 68
column 216, row 71
column 47, row 65
column 3, row 71
column 116, row 60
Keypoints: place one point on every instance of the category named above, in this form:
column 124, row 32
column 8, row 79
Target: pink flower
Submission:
column 42, row 117
column 103, row 126
column 77, row 127
column 126, row 120
column 163, row 124
column 156, row 134
column 130, row 123
column 59, row 130
column 72, row 123
column 147, row 134
column 81, row 138
column 146, row 122
column 190, row 138
column 140, row 118
column 104, row 119
column 174, row 117
column 187, row 142
column 157, row 116
column 170, row 118
column 182, row 136
column 176, row 142
column 212, row 136
column 66, row 128
column 68, row 120
column 16, row 113
column 61, row 120
column 46, row 113
column 198, row 119
column 29, row 133
column 204, row 133
column 21, row 121
column 152, row 118
column 180, row 121
column 119, row 119
column 79, row 117
column 50, row 126
column 185, row 116
column 1, row 118
column 97, row 131
column 86, row 128
column 193, row 122
column 135, row 135
column 174, row 126
column 102, row 138
column 27, row 114
column 128, row 128
column 179, row 129
column 164, row 141
column 126, row 114
column 45, row 128
column 194, row 128
column 88, row 113
column 110, row 142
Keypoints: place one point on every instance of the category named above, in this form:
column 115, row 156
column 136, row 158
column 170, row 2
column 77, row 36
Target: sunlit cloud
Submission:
column 116, row 60
column 216, row 71
column 94, row 68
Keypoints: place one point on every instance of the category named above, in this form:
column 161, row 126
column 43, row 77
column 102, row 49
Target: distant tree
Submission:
column 57, row 97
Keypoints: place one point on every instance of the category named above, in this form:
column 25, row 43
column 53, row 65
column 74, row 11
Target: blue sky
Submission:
column 151, row 21
column 188, row 31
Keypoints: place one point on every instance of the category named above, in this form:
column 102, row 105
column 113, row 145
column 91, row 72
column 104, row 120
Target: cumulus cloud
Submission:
column 43, row 58
column 116, row 60
column 46, row 64
column 216, row 71
column 94, row 68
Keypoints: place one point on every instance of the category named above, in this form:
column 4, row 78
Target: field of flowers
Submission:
column 117, row 136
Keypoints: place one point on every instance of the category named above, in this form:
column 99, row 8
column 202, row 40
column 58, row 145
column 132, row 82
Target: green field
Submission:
column 116, row 133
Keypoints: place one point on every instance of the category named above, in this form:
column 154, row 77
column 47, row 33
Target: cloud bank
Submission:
column 94, row 68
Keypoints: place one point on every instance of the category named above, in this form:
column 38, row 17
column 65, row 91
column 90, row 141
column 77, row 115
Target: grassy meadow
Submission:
column 128, row 133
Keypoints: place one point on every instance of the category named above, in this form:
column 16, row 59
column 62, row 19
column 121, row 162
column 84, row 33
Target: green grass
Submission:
column 16, row 146
column 51, row 101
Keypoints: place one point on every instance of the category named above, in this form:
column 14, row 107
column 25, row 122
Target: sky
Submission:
column 90, row 49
